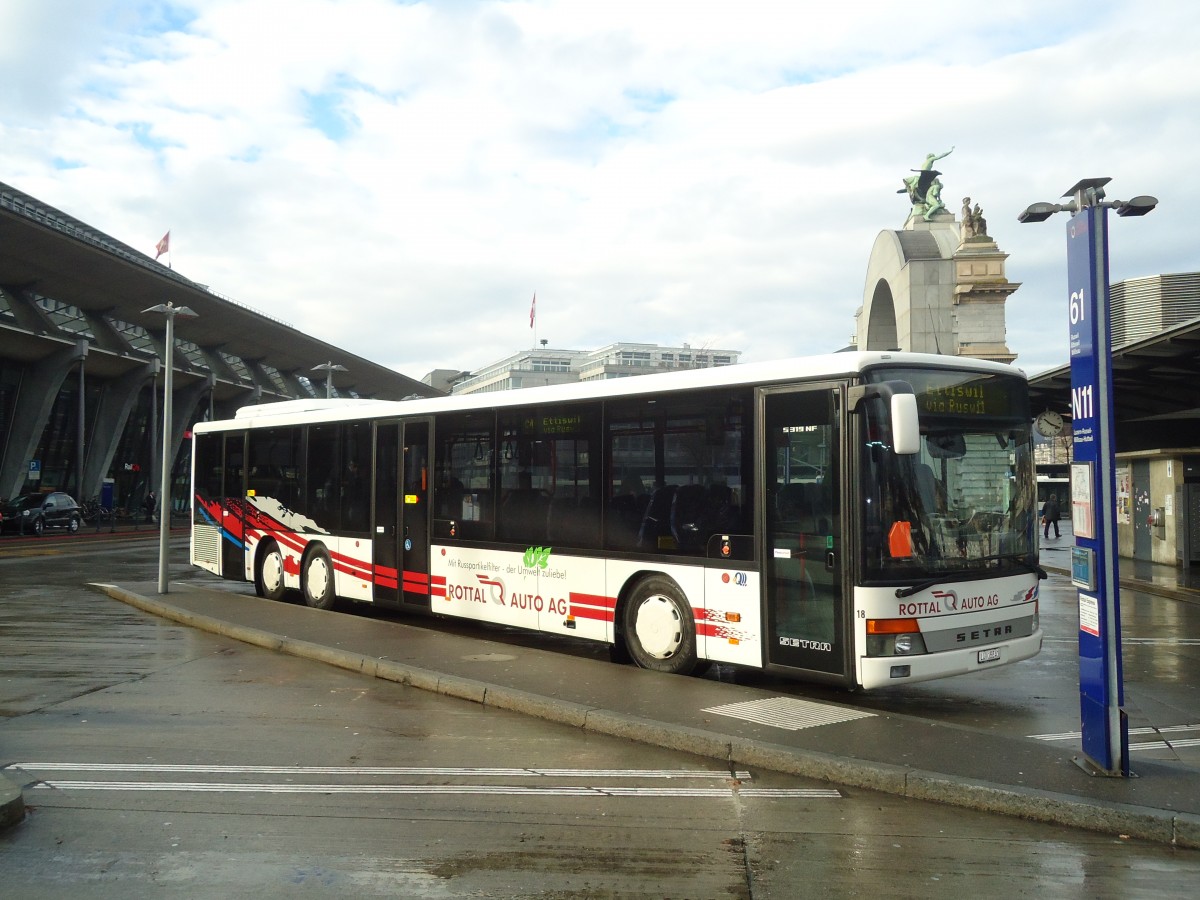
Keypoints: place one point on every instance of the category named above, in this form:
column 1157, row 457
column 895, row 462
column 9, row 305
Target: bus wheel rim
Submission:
column 318, row 577
column 659, row 629
column 272, row 571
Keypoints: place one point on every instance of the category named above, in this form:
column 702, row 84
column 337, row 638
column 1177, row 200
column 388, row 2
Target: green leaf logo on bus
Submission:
column 537, row 557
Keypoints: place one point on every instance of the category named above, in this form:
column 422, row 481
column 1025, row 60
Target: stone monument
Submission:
column 936, row 285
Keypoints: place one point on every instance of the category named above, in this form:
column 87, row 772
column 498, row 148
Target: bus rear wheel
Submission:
column 268, row 579
column 659, row 628
column 317, row 580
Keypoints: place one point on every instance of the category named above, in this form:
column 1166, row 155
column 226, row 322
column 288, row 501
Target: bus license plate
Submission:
column 990, row 655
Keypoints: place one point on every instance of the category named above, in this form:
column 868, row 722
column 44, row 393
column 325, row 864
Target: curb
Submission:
column 1161, row 826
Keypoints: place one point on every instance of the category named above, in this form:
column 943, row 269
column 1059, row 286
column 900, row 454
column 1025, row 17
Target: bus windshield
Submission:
column 962, row 504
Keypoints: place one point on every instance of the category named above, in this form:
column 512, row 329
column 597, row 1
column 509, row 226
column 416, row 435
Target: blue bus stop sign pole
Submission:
column 1093, row 496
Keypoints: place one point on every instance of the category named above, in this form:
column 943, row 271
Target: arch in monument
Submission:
column 908, row 291
column 880, row 316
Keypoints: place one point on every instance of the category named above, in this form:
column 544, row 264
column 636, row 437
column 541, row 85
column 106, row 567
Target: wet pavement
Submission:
column 1135, row 574
column 840, row 741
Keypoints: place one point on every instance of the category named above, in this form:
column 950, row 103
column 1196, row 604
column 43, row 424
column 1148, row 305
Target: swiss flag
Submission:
column 163, row 246
column 532, row 310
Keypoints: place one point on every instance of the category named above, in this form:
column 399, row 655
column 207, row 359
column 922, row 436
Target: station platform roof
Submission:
column 47, row 253
column 1156, row 391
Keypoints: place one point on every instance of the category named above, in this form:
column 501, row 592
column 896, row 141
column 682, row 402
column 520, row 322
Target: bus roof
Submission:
column 831, row 365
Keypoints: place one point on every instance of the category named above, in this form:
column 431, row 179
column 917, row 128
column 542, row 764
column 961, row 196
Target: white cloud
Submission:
column 401, row 177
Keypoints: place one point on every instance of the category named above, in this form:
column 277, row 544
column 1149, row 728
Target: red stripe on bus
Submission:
column 351, row 566
column 597, row 600
column 417, row 582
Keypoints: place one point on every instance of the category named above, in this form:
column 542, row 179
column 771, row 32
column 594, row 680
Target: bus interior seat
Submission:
column 656, row 523
column 700, row 511
column 624, row 519
column 687, row 516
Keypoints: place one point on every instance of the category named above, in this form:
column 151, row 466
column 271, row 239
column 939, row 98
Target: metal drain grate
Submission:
column 788, row 712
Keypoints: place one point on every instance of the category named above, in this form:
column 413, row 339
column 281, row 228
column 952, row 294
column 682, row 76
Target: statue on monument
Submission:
column 933, row 200
column 979, row 221
column 973, row 223
column 918, row 186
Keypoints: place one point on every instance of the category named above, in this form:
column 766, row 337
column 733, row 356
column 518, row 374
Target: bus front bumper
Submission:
column 881, row 671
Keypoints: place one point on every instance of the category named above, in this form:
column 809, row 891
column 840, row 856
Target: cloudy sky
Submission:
column 400, row 178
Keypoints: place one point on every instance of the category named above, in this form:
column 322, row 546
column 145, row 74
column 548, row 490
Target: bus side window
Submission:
column 631, row 456
column 680, row 475
column 462, row 486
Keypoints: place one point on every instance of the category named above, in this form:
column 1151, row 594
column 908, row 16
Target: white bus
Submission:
column 862, row 519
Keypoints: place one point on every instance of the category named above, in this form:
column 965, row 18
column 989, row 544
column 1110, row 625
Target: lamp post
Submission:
column 329, row 368
column 164, row 485
column 1105, row 726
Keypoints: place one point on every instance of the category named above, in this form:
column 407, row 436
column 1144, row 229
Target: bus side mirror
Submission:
column 906, row 425
column 902, row 405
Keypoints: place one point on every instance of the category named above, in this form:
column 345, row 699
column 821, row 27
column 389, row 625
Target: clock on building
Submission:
column 1049, row 424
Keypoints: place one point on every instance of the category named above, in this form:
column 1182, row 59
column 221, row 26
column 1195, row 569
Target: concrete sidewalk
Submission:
column 738, row 725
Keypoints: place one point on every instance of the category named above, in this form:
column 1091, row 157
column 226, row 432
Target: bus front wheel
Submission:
column 318, row 580
column 659, row 628
column 268, row 580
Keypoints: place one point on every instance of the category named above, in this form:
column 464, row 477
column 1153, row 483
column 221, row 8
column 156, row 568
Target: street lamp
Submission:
column 329, row 368
column 1088, row 193
column 164, row 485
column 1105, row 726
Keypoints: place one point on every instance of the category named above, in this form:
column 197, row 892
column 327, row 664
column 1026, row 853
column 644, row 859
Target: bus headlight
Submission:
column 895, row 645
column 894, row 637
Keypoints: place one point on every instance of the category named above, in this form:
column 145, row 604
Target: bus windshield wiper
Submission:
column 1017, row 558
column 1020, row 560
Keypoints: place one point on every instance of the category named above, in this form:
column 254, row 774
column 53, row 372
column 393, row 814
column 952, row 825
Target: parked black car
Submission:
column 34, row 513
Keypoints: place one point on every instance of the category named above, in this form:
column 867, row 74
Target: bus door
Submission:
column 386, row 524
column 805, row 613
column 401, row 532
column 413, row 513
column 232, row 520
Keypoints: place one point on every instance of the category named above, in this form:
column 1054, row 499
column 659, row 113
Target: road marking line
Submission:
column 1162, row 744
column 481, row 772
column 433, row 789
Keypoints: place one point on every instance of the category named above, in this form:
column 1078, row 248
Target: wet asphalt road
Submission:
column 166, row 762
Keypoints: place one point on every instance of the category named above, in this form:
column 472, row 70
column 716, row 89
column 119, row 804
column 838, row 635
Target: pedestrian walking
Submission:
column 148, row 506
column 1050, row 516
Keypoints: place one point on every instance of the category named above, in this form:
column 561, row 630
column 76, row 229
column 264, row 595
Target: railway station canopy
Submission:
column 105, row 286
column 1156, row 390
column 80, row 356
